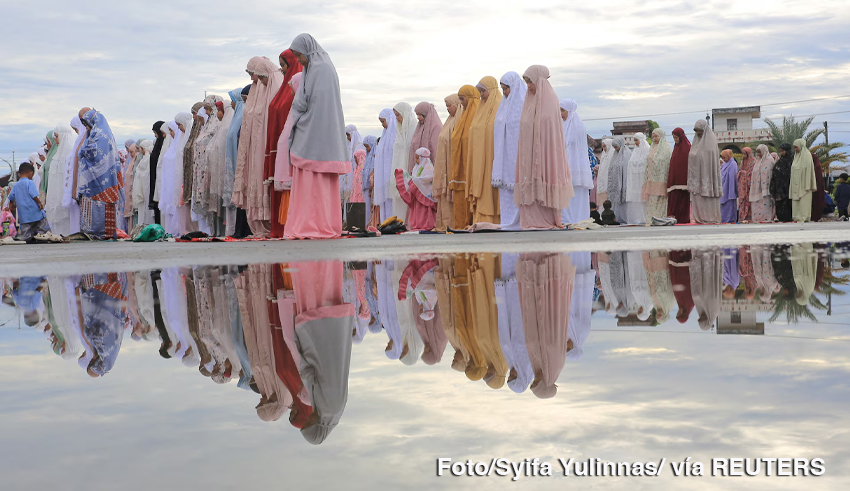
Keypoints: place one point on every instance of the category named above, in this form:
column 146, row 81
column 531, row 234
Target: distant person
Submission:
column 729, row 178
column 759, row 197
column 608, row 216
column 678, row 197
column 704, row 181
column 745, row 174
column 594, row 214
column 25, row 200
column 842, row 196
column 818, row 195
column 780, row 183
column 803, row 182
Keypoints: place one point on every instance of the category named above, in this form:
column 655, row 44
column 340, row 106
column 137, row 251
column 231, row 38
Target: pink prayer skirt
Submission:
column 314, row 208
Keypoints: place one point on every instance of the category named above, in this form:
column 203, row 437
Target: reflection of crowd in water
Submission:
column 648, row 286
column 285, row 331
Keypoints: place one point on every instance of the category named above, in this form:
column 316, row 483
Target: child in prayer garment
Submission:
column 416, row 191
column 594, row 214
column 608, row 217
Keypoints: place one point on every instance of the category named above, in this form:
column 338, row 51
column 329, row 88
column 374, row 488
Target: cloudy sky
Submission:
column 142, row 61
column 672, row 391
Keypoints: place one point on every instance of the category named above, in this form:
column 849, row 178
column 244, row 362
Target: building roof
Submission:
column 754, row 110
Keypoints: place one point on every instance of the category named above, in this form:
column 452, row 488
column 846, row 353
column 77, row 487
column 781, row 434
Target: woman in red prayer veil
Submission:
column 679, row 200
column 278, row 112
column 680, row 278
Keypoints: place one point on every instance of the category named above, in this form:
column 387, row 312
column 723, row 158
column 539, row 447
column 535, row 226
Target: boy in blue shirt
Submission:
column 24, row 199
column 842, row 196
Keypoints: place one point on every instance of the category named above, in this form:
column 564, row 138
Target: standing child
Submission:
column 842, row 196
column 24, row 198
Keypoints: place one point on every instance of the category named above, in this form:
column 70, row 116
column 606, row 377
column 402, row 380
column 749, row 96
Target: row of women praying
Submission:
column 695, row 183
column 277, row 160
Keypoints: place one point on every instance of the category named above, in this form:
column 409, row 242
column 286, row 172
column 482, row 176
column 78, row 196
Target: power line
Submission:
column 705, row 110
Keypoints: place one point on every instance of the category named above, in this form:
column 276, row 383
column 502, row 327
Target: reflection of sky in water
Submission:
column 638, row 393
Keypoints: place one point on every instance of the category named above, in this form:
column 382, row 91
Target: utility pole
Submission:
column 826, row 132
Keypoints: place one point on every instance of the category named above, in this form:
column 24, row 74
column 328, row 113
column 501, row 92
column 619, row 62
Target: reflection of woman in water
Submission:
column 482, row 277
column 660, row 288
column 706, row 274
column 511, row 331
column 103, row 300
column 680, row 277
column 545, row 292
column 580, row 304
column 804, row 265
column 323, row 337
column 443, row 282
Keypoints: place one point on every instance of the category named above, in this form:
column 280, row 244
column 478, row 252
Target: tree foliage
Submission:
column 790, row 130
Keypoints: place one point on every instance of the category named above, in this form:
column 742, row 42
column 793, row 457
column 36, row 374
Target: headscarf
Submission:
column 323, row 338
column 217, row 159
column 384, row 157
column 155, row 155
column 356, row 139
column 658, row 166
column 62, row 150
column 542, row 171
column 479, row 172
column 703, row 163
column 318, row 122
column 460, row 139
column 401, row 152
column 141, row 178
column 99, row 166
column 617, row 171
column 167, row 195
column 278, row 113
column 404, row 137
column 780, row 179
column 71, row 160
column 427, row 133
column 637, row 169
column 761, row 172
column 232, row 144
column 282, row 168
column 729, row 170
column 47, row 161
column 506, row 131
column 575, row 137
column 248, row 190
column 369, row 166
column 605, row 166
column 802, row 172
column 442, row 163
column 678, row 177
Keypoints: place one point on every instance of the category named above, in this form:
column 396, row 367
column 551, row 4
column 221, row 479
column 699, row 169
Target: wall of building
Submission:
column 745, row 121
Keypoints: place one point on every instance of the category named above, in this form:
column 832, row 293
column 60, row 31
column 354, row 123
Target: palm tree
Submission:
column 790, row 130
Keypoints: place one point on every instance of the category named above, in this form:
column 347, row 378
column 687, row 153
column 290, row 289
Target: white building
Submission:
column 734, row 128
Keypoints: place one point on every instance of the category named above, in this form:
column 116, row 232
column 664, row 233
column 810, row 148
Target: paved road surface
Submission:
column 22, row 260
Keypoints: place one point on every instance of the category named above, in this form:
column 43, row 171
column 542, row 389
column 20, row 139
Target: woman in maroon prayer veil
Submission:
column 680, row 278
column 278, row 112
column 679, row 201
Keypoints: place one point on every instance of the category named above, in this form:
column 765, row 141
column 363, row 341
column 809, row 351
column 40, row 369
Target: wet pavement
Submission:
column 327, row 374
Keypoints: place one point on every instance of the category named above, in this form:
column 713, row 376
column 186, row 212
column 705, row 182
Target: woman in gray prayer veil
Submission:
column 323, row 338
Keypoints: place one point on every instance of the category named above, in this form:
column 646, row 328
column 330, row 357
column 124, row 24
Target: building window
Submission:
column 736, row 317
column 731, row 124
